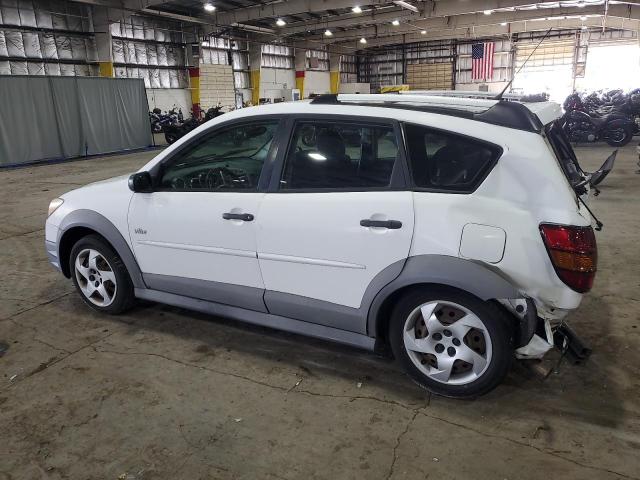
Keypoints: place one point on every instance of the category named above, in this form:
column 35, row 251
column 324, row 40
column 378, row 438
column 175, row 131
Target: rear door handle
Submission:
column 390, row 224
column 245, row 217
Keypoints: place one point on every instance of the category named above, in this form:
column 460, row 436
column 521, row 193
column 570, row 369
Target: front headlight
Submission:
column 54, row 205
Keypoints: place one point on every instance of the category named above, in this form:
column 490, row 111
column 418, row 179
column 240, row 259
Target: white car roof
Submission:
column 527, row 116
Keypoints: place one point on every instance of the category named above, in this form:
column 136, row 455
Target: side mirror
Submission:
column 141, row 182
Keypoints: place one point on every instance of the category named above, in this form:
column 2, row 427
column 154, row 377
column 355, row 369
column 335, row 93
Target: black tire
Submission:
column 170, row 137
column 124, row 297
column 498, row 327
column 620, row 141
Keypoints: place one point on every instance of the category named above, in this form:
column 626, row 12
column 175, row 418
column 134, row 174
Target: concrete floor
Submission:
column 165, row 393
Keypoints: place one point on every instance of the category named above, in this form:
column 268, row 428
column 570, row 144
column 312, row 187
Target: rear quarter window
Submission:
column 445, row 161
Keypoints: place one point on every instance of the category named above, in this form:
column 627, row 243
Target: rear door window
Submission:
column 447, row 161
column 339, row 156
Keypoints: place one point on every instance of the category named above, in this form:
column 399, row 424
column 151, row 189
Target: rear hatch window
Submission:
column 564, row 153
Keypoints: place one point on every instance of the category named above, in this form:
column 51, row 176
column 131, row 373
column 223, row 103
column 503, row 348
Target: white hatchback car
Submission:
column 446, row 231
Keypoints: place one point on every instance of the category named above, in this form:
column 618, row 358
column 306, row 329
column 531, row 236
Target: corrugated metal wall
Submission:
column 151, row 49
column 46, row 38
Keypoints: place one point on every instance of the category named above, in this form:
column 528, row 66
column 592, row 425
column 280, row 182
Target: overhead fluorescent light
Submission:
column 209, row 7
column 407, row 5
column 488, row 12
column 395, row 23
column 363, row 40
column 583, row 18
column 423, row 32
column 328, row 32
column 356, row 9
column 504, row 24
column 317, row 156
column 280, row 22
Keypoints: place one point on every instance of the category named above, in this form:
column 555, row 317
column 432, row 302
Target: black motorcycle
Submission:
column 161, row 121
column 615, row 129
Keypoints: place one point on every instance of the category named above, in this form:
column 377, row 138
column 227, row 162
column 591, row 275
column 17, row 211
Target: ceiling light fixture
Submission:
column 423, row 32
column 280, row 22
column 363, row 40
column 328, row 32
column 504, row 24
column 581, row 5
column 395, row 23
column 583, row 18
column 488, row 12
column 356, row 9
column 209, row 7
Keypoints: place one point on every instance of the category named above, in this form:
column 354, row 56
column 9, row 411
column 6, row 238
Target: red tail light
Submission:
column 574, row 254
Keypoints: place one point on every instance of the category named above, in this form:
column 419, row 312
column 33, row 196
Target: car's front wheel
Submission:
column 450, row 342
column 100, row 276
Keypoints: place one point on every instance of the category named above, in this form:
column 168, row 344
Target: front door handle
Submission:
column 390, row 224
column 245, row 217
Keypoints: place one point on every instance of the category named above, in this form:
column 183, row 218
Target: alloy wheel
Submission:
column 447, row 342
column 95, row 277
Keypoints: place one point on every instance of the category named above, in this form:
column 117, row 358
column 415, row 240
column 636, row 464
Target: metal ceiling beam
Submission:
column 449, row 8
column 498, row 30
column 350, row 20
column 282, row 8
column 428, row 9
column 479, row 20
column 374, row 18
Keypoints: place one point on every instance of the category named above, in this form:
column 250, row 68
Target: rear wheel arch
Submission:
column 434, row 271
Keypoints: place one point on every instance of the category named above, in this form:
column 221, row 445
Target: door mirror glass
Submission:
column 140, row 182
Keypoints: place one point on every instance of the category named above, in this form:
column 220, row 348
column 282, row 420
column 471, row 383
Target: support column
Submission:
column 334, row 72
column 101, row 25
column 301, row 67
column 194, row 88
column 255, row 62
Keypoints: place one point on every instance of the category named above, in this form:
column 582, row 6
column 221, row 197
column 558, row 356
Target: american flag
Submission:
column 482, row 61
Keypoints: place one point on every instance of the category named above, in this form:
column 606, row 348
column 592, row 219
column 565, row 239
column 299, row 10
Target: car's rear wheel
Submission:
column 450, row 342
column 100, row 276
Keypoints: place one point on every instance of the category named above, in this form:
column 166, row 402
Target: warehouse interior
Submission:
column 95, row 89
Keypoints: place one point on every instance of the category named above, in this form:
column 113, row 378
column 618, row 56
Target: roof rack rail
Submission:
column 517, row 97
column 497, row 112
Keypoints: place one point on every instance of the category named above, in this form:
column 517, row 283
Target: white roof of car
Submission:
column 507, row 112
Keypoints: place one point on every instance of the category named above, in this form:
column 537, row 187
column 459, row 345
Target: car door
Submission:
column 336, row 216
column 195, row 234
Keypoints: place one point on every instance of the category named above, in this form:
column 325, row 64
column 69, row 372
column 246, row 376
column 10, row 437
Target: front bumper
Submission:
column 52, row 254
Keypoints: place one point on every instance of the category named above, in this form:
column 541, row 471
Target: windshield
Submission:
column 564, row 153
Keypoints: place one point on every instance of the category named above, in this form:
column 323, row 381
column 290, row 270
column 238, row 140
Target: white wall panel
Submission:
column 316, row 82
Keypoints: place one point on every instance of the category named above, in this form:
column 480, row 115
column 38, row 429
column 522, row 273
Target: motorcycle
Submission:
column 612, row 104
column 154, row 119
column 160, row 121
column 174, row 132
column 616, row 130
